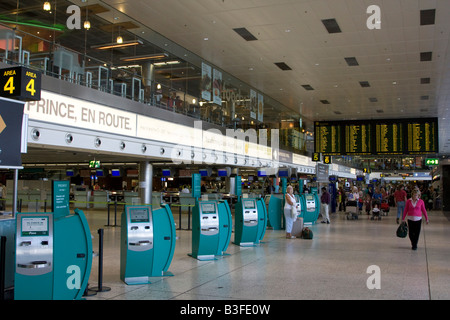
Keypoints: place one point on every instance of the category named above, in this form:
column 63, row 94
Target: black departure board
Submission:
column 358, row 139
column 328, row 138
column 377, row 137
column 422, row 136
column 389, row 138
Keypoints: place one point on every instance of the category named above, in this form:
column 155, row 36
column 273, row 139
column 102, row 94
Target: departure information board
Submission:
column 377, row 137
column 357, row 139
column 328, row 138
column 389, row 138
column 422, row 136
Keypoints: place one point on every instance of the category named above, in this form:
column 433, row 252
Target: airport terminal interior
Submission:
column 153, row 150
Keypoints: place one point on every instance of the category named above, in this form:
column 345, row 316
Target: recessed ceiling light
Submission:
column 394, row 82
column 206, row 39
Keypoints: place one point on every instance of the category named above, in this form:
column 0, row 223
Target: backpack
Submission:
column 307, row 233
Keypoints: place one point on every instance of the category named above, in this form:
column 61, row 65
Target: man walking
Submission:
column 400, row 200
column 325, row 200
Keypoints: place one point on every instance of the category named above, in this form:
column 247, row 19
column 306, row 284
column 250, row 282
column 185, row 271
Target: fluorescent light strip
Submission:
column 167, row 63
column 114, row 45
column 145, row 57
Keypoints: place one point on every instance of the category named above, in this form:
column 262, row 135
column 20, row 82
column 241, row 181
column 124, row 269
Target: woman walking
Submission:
column 414, row 209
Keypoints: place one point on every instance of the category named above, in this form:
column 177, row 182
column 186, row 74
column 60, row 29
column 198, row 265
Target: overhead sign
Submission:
column 432, row 162
column 11, row 115
column 377, row 137
column 20, row 83
column 316, row 157
column 322, row 172
column 94, row 164
column 327, row 159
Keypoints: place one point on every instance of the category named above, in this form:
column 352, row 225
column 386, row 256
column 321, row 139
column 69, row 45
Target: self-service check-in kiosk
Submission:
column 147, row 243
column 211, row 229
column 250, row 221
column 53, row 256
column 275, row 210
column 310, row 204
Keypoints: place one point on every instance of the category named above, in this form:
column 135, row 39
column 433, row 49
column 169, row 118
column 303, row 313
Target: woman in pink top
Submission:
column 414, row 209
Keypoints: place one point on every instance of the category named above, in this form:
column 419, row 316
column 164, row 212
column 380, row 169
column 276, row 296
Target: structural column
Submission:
column 145, row 181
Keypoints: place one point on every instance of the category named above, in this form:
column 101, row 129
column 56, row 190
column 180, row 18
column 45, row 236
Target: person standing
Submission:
column 343, row 199
column 289, row 203
column 325, row 199
column 414, row 209
column 2, row 197
column 400, row 199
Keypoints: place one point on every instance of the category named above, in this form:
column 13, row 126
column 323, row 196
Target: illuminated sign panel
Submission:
column 377, row 137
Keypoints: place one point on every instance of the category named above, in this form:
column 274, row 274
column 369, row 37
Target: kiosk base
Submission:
column 203, row 257
column 246, row 244
column 137, row 280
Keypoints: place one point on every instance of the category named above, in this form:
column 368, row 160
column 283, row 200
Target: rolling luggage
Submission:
column 297, row 228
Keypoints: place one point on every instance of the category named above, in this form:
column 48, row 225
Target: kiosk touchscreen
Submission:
column 147, row 243
column 205, row 230
column 246, row 221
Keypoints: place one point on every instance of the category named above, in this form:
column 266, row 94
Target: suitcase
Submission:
column 297, row 228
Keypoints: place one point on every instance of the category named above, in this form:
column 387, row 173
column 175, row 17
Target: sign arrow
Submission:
column 2, row 124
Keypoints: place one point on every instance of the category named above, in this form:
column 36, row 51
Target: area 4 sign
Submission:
column 20, row 83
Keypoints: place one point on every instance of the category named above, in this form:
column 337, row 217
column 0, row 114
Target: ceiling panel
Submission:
column 291, row 31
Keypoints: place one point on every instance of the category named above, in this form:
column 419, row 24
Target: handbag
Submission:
column 294, row 213
column 402, row 230
column 307, row 233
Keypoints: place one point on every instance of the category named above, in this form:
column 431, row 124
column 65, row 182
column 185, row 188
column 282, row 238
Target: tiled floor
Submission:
column 333, row 265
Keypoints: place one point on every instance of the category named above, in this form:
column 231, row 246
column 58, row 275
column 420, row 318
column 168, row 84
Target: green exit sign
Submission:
column 94, row 164
column 432, row 162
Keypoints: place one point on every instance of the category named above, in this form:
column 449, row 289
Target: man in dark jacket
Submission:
column 325, row 200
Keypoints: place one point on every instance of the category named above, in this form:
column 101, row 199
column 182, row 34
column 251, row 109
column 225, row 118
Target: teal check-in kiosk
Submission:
column 275, row 210
column 205, row 230
column 299, row 200
column 310, row 205
column 211, row 225
column 147, row 243
column 53, row 251
column 276, row 207
column 250, row 221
